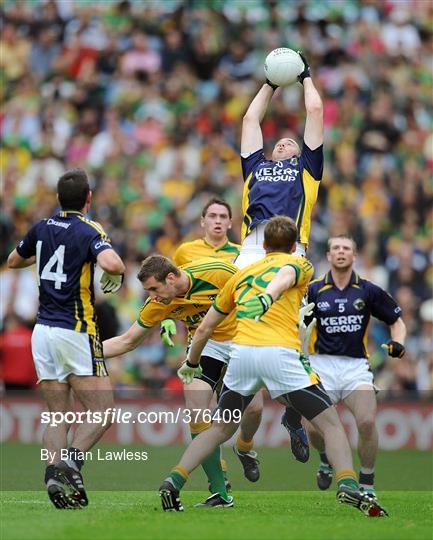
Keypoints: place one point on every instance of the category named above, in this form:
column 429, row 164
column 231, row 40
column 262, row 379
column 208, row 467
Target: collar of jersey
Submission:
column 354, row 279
column 64, row 213
column 215, row 247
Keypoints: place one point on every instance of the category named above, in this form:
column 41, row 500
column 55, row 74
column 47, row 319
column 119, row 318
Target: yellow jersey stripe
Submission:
column 88, row 312
column 94, row 225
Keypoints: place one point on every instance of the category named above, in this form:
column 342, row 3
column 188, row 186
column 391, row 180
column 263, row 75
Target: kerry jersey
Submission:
column 289, row 188
column 66, row 246
column 343, row 315
column 279, row 325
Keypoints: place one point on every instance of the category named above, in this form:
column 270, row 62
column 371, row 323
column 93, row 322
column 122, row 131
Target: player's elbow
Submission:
column 13, row 261
column 315, row 108
column 250, row 118
column 110, row 262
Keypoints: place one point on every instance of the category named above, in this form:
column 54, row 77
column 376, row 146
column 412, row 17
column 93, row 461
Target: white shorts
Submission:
column 341, row 375
column 220, row 350
column 58, row 352
column 279, row 369
column 252, row 248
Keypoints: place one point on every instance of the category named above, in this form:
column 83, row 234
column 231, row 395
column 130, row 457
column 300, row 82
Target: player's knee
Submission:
column 366, row 427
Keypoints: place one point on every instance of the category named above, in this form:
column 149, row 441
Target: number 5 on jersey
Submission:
column 56, row 260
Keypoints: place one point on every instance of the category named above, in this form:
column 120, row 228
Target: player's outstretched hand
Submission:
column 271, row 84
column 305, row 311
column 187, row 372
column 394, row 348
column 111, row 283
column 306, row 73
column 255, row 307
column 168, row 329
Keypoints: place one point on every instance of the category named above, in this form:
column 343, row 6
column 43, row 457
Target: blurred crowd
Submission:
column 148, row 97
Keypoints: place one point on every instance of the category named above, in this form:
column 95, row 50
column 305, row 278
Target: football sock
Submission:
column 49, row 473
column 178, row 476
column 293, row 418
column 224, row 465
column 212, row 464
column 74, row 459
column 346, row 477
column 244, row 446
column 366, row 479
column 324, row 463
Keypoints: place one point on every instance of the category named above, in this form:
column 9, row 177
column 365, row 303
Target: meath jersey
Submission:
column 343, row 315
column 197, row 249
column 207, row 277
column 279, row 325
column 286, row 188
column 66, row 246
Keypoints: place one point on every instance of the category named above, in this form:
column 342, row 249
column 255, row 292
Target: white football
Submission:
column 282, row 66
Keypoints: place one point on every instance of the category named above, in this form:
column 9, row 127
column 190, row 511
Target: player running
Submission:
column 66, row 349
column 186, row 294
column 344, row 303
column 266, row 352
column 288, row 185
column 216, row 220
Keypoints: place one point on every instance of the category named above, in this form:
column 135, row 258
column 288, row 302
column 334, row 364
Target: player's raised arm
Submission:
column 126, row 342
column 252, row 138
column 313, row 135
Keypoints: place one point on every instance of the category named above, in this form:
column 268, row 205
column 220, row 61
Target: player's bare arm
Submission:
column 283, row 280
column 398, row 331
column 252, row 138
column 110, row 262
column 16, row 261
column 212, row 319
column 126, row 342
column 313, row 134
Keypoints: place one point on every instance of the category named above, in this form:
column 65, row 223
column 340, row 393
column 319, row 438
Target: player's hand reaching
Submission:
column 111, row 283
column 306, row 73
column 255, row 307
column 306, row 329
column 187, row 372
column 168, row 329
column 271, row 84
column 394, row 349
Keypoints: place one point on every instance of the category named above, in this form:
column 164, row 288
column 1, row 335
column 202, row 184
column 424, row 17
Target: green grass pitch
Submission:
column 285, row 503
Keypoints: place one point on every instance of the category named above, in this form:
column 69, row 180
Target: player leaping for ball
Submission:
column 287, row 185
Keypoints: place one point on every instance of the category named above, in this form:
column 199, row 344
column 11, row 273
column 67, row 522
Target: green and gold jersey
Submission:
column 279, row 325
column 197, row 249
column 207, row 277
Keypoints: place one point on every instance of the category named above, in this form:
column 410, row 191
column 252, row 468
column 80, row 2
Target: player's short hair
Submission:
column 215, row 200
column 345, row 236
column 157, row 266
column 280, row 234
column 72, row 189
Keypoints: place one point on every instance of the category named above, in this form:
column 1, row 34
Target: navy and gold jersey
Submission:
column 66, row 246
column 287, row 188
column 343, row 315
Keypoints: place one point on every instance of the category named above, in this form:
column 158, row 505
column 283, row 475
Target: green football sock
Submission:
column 214, row 472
